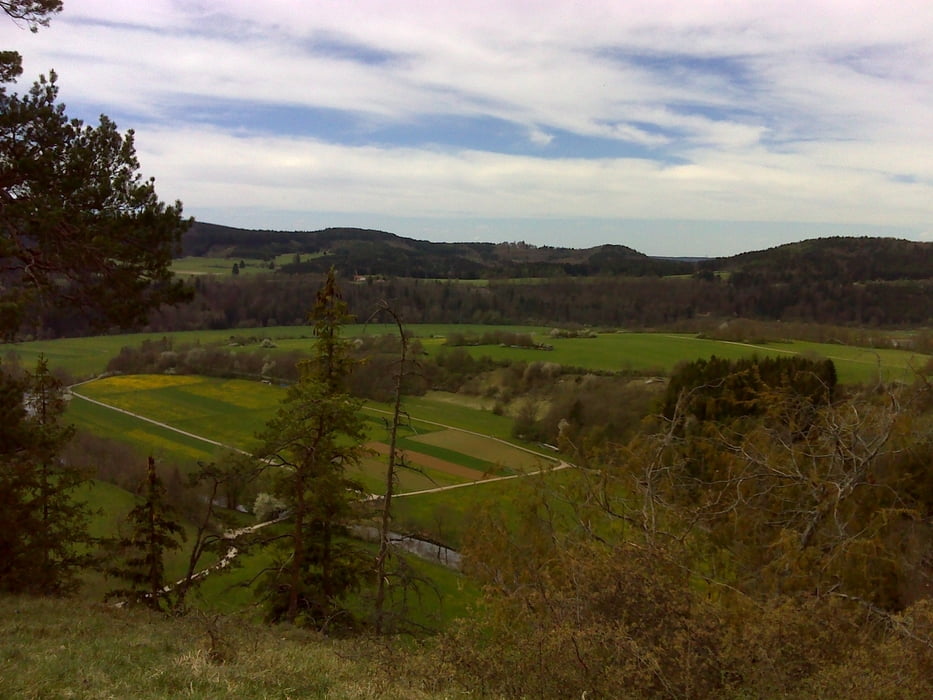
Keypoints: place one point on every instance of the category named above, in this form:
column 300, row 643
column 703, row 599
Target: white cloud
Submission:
column 539, row 137
column 213, row 168
column 767, row 111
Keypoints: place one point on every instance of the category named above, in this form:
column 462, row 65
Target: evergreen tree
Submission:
column 44, row 539
column 153, row 532
column 80, row 229
column 313, row 439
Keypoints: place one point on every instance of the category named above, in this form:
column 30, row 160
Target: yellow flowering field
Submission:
column 230, row 411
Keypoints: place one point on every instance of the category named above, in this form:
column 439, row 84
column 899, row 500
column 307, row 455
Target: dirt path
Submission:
column 228, row 557
column 560, row 465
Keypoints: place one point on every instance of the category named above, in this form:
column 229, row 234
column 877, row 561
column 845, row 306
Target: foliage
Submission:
column 804, row 494
column 80, row 229
column 354, row 251
column 721, row 390
column 628, row 582
column 153, row 532
column 34, row 13
column 44, row 538
column 229, row 477
column 312, row 441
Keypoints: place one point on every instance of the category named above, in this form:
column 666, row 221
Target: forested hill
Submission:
column 356, row 251
column 837, row 259
column 368, row 252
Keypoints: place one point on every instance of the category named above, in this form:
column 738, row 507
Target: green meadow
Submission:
column 447, row 409
column 642, row 352
column 88, row 356
column 661, row 352
column 147, row 437
column 232, row 411
column 447, row 515
column 206, row 265
column 229, row 411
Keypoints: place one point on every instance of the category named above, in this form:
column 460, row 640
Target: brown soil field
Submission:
column 431, row 462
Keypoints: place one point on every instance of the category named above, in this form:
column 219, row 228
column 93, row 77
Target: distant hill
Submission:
column 837, row 259
column 357, row 251
column 368, row 252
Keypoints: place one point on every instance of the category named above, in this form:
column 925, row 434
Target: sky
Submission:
column 692, row 128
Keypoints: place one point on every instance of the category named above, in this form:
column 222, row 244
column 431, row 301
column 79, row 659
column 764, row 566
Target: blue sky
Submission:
column 677, row 128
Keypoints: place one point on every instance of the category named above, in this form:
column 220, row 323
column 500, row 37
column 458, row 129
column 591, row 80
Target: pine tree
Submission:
column 44, row 540
column 153, row 533
column 80, row 228
column 313, row 439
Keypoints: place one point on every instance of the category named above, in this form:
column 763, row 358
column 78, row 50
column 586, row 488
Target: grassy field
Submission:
column 232, row 411
column 446, row 515
column 62, row 648
column 160, row 442
column 111, row 504
column 652, row 352
column 661, row 352
column 229, row 411
column 86, row 357
column 202, row 265
column 452, row 409
column 505, row 459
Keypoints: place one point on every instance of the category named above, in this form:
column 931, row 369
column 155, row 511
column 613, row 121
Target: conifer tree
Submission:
column 44, row 539
column 80, row 228
column 314, row 438
column 153, row 533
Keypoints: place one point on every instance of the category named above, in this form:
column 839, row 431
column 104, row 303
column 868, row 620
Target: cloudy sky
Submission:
column 698, row 127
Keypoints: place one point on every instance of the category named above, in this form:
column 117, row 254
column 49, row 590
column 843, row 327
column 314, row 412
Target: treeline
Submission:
column 494, row 337
column 376, row 358
column 266, row 300
column 353, row 251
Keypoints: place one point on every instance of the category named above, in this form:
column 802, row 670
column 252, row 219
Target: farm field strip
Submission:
column 484, row 436
column 207, row 410
column 198, row 405
column 489, row 480
column 164, row 426
column 100, row 418
column 504, row 455
column 438, row 465
column 371, row 473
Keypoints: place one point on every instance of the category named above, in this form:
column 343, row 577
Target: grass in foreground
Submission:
column 57, row 648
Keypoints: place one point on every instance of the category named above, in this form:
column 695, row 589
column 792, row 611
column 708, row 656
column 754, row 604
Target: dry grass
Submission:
column 72, row 649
